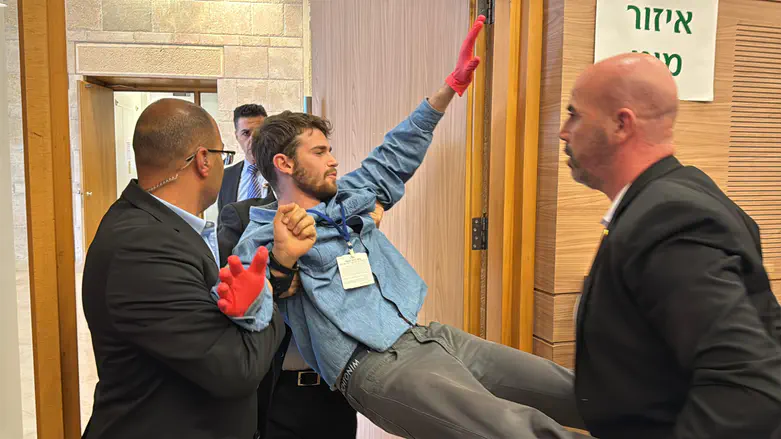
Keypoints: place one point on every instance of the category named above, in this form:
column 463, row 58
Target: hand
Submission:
column 377, row 214
column 239, row 287
column 294, row 234
column 462, row 76
column 294, row 286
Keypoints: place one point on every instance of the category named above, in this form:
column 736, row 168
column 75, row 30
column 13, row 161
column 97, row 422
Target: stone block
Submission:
column 188, row 39
column 229, row 18
column 246, row 62
column 191, row 17
column 251, row 92
column 83, row 14
column 285, row 42
column 97, row 36
column 294, row 24
column 164, row 16
column 225, row 116
column 220, row 40
column 285, row 63
column 127, row 15
column 71, row 50
column 153, row 37
column 284, row 95
column 268, row 19
column 254, row 41
column 147, row 60
column 229, row 139
column 226, row 94
column 76, row 35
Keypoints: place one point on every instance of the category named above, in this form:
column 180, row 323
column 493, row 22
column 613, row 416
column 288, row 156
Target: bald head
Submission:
column 634, row 81
column 621, row 116
column 167, row 131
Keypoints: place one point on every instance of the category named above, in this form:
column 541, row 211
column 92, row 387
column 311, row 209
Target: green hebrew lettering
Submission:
column 683, row 21
column 637, row 14
column 658, row 12
column 647, row 18
column 669, row 58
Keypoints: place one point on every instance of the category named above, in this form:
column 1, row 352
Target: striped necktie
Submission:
column 253, row 190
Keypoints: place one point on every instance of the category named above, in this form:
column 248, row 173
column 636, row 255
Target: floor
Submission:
column 87, row 373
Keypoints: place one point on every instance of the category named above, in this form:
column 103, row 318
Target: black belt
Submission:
column 302, row 378
column 359, row 354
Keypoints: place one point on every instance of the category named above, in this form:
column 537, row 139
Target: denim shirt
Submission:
column 328, row 321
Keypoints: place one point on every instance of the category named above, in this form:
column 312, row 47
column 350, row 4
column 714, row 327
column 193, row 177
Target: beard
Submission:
column 320, row 188
column 603, row 156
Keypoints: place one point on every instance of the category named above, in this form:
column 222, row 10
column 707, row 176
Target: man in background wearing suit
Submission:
column 170, row 363
column 678, row 332
column 242, row 180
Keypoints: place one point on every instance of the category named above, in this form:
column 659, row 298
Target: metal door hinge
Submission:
column 480, row 233
column 486, row 7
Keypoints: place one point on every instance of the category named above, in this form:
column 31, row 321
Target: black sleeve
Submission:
column 229, row 231
column 157, row 299
column 690, row 288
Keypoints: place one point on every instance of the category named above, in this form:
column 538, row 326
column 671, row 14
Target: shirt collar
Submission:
column 610, row 212
column 197, row 223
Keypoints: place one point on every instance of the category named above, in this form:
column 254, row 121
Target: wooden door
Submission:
column 373, row 62
column 98, row 155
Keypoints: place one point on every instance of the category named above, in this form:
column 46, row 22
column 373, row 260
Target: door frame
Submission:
column 137, row 84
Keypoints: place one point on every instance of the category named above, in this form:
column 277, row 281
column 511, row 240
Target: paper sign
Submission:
column 681, row 33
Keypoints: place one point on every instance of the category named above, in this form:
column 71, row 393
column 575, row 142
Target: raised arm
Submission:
column 389, row 166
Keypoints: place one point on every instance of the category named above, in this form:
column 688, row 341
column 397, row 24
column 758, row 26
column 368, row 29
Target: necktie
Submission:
column 253, row 190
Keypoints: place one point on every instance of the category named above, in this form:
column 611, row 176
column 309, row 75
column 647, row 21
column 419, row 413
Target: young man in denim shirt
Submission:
column 354, row 317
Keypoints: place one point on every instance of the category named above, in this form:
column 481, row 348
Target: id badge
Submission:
column 355, row 270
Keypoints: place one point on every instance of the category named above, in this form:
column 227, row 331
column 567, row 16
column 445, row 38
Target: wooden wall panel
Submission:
column 553, row 316
column 373, row 62
column 560, row 353
column 568, row 229
column 548, row 165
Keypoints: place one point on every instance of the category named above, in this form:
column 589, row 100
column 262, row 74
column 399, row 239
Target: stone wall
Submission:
column 256, row 51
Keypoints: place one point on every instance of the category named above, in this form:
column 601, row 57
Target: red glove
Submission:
column 240, row 287
column 461, row 77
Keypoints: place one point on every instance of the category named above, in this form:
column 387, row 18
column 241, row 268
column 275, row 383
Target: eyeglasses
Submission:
column 227, row 156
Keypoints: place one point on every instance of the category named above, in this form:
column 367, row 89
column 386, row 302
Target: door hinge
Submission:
column 486, row 7
column 480, row 233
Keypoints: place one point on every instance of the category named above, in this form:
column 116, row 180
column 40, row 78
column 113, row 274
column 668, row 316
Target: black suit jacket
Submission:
column 678, row 333
column 229, row 191
column 171, row 365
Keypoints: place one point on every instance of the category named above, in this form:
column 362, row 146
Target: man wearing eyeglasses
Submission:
column 171, row 363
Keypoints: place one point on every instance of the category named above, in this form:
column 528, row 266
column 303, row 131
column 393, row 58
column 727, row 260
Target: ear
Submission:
column 625, row 125
column 284, row 164
column 203, row 162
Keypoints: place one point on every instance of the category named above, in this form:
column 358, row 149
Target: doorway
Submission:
column 108, row 110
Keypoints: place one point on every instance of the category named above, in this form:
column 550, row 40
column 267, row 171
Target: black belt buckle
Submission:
column 308, row 379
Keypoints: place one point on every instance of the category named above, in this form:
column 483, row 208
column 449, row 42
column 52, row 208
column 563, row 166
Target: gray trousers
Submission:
column 440, row 382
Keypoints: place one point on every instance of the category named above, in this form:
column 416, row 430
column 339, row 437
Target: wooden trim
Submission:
column 197, row 98
column 500, row 58
column 44, row 87
column 520, row 174
column 473, row 197
column 531, row 72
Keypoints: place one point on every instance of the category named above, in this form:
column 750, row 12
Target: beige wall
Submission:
column 255, row 50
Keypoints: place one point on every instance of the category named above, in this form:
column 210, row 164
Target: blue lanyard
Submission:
column 343, row 230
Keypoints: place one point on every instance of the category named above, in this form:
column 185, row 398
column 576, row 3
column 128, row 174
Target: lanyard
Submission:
column 343, row 230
